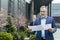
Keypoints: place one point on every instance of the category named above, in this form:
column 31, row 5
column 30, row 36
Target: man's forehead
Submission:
column 43, row 8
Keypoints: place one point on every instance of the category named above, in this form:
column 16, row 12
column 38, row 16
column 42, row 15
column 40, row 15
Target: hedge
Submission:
column 6, row 36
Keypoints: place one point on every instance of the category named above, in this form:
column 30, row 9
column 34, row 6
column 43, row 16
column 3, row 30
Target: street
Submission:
column 57, row 35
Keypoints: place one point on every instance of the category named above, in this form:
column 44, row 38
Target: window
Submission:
column 21, row 6
column 56, row 12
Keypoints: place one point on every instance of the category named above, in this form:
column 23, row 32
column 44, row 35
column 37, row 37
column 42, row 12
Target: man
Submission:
column 42, row 20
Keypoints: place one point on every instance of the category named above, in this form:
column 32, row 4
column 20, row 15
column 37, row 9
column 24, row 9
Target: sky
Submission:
column 56, row 1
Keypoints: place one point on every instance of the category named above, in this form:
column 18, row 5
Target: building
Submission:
column 16, row 7
column 20, row 7
column 0, row 4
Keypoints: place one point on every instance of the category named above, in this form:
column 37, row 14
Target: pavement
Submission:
column 57, row 34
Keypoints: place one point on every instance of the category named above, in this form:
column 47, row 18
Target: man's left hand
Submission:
column 51, row 29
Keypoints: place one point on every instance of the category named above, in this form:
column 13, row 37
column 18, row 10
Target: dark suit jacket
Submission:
column 48, row 34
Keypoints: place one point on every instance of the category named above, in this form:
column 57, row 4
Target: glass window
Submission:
column 21, row 6
column 56, row 12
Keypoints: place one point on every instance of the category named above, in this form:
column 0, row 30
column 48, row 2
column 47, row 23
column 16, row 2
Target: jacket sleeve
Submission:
column 54, row 25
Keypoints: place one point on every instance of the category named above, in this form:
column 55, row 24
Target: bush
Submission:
column 5, row 36
column 27, row 33
column 24, row 30
column 16, row 36
column 18, row 33
column 22, row 35
column 32, row 37
column 10, row 27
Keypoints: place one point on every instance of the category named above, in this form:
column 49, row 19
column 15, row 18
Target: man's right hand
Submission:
column 29, row 30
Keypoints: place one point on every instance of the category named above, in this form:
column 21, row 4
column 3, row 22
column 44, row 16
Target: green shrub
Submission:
column 22, row 35
column 27, row 33
column 16, row 36
column 5, row 36
column 10, row 27
column 32, row 37
column 18, row 33
column 24, row 30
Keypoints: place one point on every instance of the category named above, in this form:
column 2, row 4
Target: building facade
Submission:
column 20, row 7
column 16, row 7
column 0, row 4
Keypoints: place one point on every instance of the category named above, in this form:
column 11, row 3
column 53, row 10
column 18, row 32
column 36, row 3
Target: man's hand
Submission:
column 51, row 29
column 29, row 30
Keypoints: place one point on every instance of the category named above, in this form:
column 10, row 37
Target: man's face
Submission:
column 43, row 11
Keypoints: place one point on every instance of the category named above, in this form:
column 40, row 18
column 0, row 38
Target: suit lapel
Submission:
column 46, row 20
column 39, row 20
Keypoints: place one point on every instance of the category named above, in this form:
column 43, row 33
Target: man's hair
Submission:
column 43, row 7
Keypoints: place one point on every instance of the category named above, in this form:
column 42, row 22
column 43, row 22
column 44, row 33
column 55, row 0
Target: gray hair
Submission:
column 43, row 7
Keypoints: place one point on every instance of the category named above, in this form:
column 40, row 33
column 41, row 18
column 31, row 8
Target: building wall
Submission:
column 0, row 4
column 17, row 7
column 22, row 7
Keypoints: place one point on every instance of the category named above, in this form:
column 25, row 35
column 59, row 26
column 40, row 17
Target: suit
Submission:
column 48, row 34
